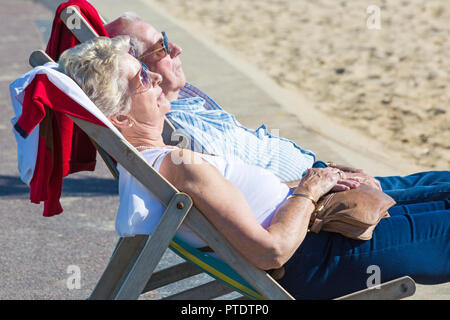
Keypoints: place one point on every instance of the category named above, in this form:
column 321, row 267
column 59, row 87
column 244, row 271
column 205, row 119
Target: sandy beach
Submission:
column 384, row 72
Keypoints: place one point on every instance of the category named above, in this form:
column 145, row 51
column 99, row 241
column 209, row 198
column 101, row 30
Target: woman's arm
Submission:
column 226, row 208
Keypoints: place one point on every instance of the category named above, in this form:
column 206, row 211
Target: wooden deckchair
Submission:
column 130, row 270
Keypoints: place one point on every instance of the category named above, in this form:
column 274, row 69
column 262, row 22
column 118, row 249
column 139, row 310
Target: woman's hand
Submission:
column 319, row 181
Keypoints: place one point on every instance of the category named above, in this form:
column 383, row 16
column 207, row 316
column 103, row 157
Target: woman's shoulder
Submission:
column 186, row 166
column 184, row 159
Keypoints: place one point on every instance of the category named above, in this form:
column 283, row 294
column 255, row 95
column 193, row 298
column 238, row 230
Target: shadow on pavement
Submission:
column 12, row 186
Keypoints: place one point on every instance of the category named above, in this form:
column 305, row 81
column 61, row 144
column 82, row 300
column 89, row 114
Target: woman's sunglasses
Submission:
column 144, row 79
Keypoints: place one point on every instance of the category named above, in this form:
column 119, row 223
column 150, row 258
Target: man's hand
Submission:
column 345, row 168
column 358, row 174
column 349, row 173
column 364, row 178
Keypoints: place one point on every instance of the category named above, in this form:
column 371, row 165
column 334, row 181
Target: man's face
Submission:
column 167, row 65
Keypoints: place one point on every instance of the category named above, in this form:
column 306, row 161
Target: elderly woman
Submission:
column 260, row 216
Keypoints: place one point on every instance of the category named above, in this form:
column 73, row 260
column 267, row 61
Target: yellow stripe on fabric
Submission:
column 215, row 272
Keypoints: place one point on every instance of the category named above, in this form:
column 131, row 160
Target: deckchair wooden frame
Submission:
column 130, row 270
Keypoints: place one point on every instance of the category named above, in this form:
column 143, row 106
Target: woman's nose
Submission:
column 175, row 50
column 156, row 78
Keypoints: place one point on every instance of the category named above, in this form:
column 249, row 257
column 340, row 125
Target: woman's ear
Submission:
column 120, row 121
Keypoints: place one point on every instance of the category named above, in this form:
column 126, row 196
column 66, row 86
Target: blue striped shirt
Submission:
column 207, row 128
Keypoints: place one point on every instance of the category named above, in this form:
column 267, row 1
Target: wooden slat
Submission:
column 103, row 19
column 210, row 290
column 76, row 23
column 168, row 133
column 155, row 247
column 396, row 289
column 124, row 255
column 39, row 58
column 172, row 274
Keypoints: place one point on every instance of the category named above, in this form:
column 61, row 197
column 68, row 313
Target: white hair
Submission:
column 115, row 28
column 136, row 47
column 94, row 66
column 130, row 15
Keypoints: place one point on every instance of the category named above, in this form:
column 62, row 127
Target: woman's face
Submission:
column 148, row 102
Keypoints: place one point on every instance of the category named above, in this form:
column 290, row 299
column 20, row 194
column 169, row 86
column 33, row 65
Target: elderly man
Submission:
column 212, row 130
column 209, row 128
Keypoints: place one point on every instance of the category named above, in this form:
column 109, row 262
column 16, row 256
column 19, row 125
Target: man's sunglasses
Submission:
column 165, row 48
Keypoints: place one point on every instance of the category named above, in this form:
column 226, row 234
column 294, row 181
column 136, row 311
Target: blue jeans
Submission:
column 414, row 241
column 415, row 188
column 419, row 187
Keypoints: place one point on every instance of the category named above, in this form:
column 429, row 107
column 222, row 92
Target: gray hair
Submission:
column 115, row 29
column 94, row 66
column 130, row 15
column 136, row 47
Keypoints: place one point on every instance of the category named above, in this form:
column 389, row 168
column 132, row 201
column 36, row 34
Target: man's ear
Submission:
column 120, row 121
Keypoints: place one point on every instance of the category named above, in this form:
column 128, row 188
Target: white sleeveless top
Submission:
column 139, row 211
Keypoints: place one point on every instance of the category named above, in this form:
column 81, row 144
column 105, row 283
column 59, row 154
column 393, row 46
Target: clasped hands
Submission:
column 357, row 175
column 319, row 181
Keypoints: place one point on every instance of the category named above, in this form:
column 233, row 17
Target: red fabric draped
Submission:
column 63, row 147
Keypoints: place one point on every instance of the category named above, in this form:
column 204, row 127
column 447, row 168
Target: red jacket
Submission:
column 61, row 37
column 63, row 148
column 45, row 104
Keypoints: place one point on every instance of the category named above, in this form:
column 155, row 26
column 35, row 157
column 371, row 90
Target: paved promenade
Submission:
column 36, row 251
